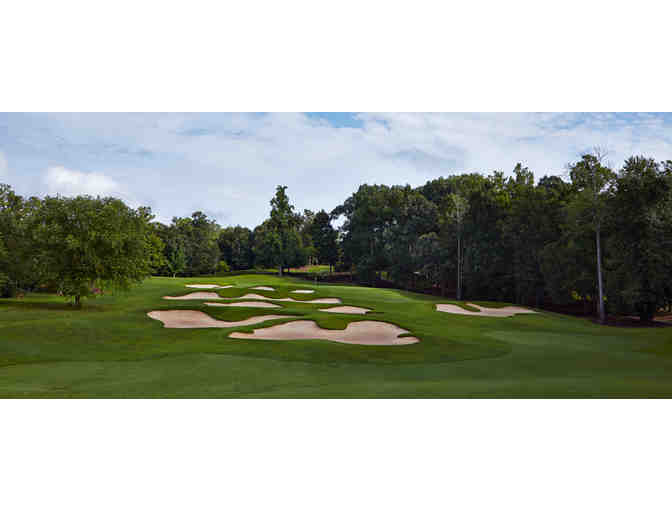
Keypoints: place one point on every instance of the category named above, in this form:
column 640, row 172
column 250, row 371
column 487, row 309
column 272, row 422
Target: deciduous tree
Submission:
column 641, row 237
column 592, row 179
column 93, row 243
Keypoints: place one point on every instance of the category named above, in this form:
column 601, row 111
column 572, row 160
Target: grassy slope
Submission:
column 111, row 348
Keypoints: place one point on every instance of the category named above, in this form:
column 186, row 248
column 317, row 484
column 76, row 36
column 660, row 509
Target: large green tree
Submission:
column 532, row 221
column 157, row 247
column 201, row 242
column 19, row 258
column 324, row 238
column 484, row 261
column 195, row 239
column 174, row 250
column 568, row 255
column 89, row 244
column 414, row 216
column 236, row 245
column 368, row 213
column 592, row 180
column 641, row 237
column 288, row 250
column 305, row 225
column 268, row 248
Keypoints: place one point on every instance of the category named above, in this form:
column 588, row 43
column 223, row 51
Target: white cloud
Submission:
column 229, row 164
column 4, row 167
column 67, row 182
column 63, row 181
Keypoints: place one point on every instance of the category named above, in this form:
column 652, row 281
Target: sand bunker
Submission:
column 196, row 295
column 361, row 333
column 183, row 319
column 262, row 288
column 250, row 304
column 345, row 309
column 326, row 301
column 303, row 291
column 207, row 286
column 507, row 311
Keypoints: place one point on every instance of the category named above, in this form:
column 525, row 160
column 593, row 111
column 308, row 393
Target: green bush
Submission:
column 223, row 267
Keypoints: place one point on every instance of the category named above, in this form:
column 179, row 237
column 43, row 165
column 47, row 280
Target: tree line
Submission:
column 198, row 245
column 598, row 236
column 83, row 246
column 601, row 237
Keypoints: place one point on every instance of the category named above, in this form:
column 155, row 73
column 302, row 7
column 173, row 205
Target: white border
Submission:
column 334, row 454
column 351, row 56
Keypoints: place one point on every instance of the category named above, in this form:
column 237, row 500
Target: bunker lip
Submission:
column 346, row 309
column 250, row 304
column 359, row 333
column 195, row 295
column 192, row 319
column 262, row 287
column 207, row 286
column 326, row 301
column 506, row 311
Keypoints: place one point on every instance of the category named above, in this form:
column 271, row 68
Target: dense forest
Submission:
column 598, row 236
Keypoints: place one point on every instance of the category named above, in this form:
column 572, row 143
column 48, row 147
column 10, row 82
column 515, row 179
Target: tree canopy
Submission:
column 87, row 244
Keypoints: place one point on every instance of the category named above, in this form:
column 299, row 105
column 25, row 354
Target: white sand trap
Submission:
column 361, row 333
column 303, row 291
column 324, row 301
column 507, row 311
column 195, row 295
column 249, row 304
column 207, row 286
column 262, row 288
column 184, row 319
column 345, row 309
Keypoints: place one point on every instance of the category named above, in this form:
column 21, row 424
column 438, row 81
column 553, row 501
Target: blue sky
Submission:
column 228, row 165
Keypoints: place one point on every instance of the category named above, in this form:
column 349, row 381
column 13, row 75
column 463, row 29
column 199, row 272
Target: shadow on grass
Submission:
column 49, row 305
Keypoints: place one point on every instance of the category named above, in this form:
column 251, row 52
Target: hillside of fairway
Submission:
column 111, row 348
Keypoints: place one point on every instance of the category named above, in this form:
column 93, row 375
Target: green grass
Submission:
column 111, row 348
column 320, row 268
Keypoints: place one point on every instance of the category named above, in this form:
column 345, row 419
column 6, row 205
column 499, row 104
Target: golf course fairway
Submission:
column 111, row 348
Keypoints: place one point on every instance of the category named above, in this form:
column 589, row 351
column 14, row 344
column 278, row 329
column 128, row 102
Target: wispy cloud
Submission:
column 230, row 163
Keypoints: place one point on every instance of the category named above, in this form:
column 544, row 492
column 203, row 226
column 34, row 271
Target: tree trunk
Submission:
column 539, row 296
column 600, row 290
column 587, row 307
column 78, row 301
column 280, row 271
column 647, row 312
column 459, row 269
